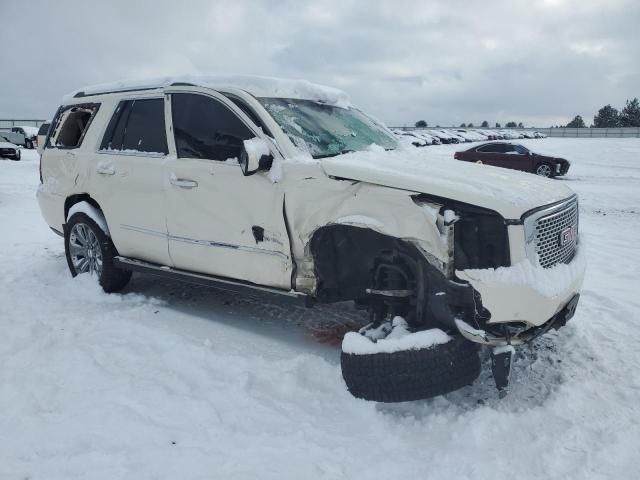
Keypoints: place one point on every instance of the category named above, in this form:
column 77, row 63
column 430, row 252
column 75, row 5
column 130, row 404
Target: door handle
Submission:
column 105, row 169
column 182, row 182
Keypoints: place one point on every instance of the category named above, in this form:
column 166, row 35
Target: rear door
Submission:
column 128, row 181
column 490, row 154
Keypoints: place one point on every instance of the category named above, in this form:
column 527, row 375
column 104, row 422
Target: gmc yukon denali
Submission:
column 283, row 186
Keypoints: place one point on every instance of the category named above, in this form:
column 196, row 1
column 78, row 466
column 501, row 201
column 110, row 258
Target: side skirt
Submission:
column 221, row 283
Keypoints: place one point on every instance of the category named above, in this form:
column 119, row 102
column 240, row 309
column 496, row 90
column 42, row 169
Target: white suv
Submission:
column 284, row 186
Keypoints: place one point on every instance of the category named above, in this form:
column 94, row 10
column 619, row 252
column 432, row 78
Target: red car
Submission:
column 516, row 157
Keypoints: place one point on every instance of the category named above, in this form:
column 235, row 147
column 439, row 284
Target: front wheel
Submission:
column 410, row 372
column 544, row 170
column 90, row 250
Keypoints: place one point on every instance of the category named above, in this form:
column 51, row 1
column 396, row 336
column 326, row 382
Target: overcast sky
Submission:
column 539, row 61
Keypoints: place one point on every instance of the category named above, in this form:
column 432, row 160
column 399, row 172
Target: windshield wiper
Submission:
column 334, row 154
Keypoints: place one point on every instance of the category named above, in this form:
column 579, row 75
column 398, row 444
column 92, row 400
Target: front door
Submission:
column 219, row 221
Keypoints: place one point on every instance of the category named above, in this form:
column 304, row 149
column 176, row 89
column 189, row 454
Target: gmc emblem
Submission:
column 569, row 235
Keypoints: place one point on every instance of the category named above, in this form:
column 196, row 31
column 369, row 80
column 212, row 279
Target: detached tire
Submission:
column 410, row 375
column 89, row 250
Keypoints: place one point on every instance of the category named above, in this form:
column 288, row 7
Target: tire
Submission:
column 480, row 162
column 17, row 156
column 411, row 374
column 544, row 170
column 84, row 239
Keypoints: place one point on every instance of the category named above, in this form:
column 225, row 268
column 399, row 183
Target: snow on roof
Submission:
column 255, row 85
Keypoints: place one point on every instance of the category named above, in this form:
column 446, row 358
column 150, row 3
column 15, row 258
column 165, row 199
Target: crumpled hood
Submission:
column 508, row 192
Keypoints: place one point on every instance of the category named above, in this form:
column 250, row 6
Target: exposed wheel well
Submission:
column 348, row 260
column 344, row 258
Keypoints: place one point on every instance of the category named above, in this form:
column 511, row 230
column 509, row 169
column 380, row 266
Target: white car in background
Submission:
column 407, row 137
column 283, row 186
column 30, row 134
column 9, row 150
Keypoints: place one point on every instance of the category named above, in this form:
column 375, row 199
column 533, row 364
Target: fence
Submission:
column 12, row 122
column 627, row 132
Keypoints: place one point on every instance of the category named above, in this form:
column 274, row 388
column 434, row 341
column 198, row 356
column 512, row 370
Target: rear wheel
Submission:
column 544, row 170
column 90, row 250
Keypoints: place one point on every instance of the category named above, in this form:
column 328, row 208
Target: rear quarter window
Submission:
column 71, row 125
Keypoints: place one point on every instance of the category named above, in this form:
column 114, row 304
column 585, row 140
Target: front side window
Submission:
column 326, row 130
column 71, row 126
column 520, row 149
column 206, row 128
column 137, row 125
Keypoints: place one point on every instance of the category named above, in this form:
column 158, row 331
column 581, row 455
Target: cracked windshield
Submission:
column 326, row 130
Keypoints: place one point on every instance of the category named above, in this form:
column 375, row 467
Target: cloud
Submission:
column 444, row 61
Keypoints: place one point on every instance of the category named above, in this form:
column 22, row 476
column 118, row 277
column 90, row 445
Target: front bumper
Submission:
column 519, row 338
column 522, row 299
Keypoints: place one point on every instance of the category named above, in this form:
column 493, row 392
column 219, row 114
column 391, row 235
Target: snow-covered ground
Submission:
column 173, row 381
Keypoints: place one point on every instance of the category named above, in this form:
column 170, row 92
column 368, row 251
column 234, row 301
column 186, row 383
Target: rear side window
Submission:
column 493, row 148
column 137, row 125
column 206, row 128
column 71, row 125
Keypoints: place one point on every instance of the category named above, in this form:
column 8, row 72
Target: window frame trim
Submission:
column 137, row 153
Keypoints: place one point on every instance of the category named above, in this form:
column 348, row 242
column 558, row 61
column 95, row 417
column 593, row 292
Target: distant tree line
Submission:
column 610, row 117
column 607, row 117
column 484, row 124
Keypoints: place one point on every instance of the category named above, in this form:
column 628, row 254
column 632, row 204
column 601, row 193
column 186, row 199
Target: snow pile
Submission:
column 169, row 380
column 258, row 86
column 398, row 340
column 548, row 281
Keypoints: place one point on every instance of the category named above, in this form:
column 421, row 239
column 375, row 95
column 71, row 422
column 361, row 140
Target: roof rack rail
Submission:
column 81, row 94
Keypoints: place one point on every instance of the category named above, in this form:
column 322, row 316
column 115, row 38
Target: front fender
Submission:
column 314, row 201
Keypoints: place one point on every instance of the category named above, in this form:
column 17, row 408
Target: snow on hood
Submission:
column 508, row 192
column 271, row 87
column 7, row 145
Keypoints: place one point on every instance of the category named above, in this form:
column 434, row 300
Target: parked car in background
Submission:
column 9, row 150
column 42, row 136
column 17, row 138
column 408, row 138
column 432, row 140
column 30, row 135
column 440, row 136
column 516, row 157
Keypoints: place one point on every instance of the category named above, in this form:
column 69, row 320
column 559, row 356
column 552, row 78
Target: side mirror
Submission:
column 255, row 156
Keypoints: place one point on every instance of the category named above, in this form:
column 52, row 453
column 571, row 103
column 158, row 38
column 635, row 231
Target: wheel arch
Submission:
column 92, row 209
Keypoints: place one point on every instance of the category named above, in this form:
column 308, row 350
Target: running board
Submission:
column 221, row 283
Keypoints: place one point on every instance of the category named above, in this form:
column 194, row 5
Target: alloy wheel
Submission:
column 543, row 170
column 85, row 250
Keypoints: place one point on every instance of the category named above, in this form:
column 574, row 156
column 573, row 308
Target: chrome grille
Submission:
column 556, row 236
